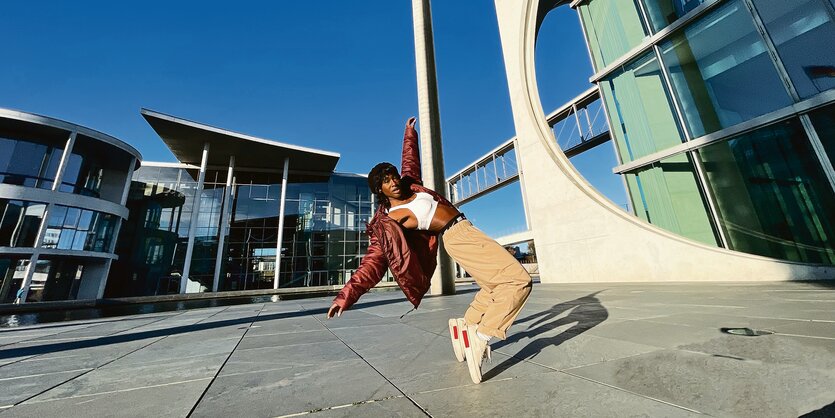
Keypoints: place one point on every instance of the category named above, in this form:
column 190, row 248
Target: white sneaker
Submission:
column 475, row 349
column 455, row 337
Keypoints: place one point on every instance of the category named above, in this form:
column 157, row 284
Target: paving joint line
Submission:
column 219, row 369
column 91, row 326
column 49, row 335
column 631, row 392
column 375, row 369
column 82, row 374
column 330, row 408
column 109, row 362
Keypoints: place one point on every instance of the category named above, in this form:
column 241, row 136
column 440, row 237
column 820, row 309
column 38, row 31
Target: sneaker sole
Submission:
column 455, row 337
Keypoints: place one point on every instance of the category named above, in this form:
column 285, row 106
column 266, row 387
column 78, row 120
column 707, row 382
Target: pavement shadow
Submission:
column 46, row 347
column 827, row 411
column 583, row 314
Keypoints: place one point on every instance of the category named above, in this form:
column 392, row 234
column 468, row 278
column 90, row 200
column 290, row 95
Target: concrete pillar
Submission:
column 26, row 283
column 224, row 223
column 431, row 148
column 93, row 279
column 123, row 200
column 281, row 222
column 195, row 215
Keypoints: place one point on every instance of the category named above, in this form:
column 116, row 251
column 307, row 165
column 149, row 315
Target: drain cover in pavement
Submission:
column 745, row 332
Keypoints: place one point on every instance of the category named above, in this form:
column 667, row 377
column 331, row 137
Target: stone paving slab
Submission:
column 608, row 349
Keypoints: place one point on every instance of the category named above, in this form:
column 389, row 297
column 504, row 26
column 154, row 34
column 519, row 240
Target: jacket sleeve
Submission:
column 370, row 272
column 410, row 164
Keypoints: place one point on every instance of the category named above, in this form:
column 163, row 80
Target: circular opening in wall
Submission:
column 745, row 332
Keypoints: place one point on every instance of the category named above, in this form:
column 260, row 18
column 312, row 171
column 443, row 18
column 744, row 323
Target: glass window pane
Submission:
column 663, row 12
column 29, row 225
column 824, row 122
column 71, row 220
column 79, row 240
column 771, row 194
column 668, row 196
column 612, row 29
column 10, row 213
column 803, row 32
column 57, row 215
column 85, row 220
column 65, row 239
column 721, row 72
column 12, row 271
column 642, row 116
column 19, row 222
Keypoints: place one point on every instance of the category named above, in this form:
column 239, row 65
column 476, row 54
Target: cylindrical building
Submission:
column 63, row 189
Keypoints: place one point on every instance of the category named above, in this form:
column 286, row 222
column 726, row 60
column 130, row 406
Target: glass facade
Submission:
column 83, row 176
column 661, row 13
column 769, row 188
column 612, row 29
column 206, row 233
column 803, row 31
column 19, row 222
column 642, row 118
column 12, row 271
column 29, row 162
column 57, row 246
column 823, row 121
column 55, row 279
column 772, row 196
column 71, row 228
column 324, row 232
column 667, row 195
column 152, row 242
column 252, row 240
column 717, row 65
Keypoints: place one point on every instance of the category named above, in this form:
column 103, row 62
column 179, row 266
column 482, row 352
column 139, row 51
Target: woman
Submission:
column 404, row 238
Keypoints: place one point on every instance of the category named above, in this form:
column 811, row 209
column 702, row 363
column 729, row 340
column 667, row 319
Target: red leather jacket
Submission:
column 410, row 254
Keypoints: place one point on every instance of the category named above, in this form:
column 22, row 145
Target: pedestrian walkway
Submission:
column 585, row 350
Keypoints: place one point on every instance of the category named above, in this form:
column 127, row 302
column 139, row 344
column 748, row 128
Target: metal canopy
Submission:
column 186, row 138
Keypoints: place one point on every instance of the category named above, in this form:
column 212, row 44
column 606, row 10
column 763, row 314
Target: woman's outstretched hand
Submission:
column 411, row 122
column 334, row 310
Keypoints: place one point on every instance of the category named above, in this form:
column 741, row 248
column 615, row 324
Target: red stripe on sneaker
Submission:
column 455, row 332
column 466, row 340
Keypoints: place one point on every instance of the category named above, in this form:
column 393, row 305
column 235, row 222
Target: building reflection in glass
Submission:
column 323, row 241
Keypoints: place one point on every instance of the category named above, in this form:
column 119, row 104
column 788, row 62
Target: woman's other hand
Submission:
column 334, row 310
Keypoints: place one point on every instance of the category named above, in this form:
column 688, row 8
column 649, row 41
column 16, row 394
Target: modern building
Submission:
column 212, row 222
column 63, row 189
column 722, row 116
column 257, row 198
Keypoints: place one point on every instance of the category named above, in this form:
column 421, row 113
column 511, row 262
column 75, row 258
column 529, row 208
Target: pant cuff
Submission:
column 493, row 332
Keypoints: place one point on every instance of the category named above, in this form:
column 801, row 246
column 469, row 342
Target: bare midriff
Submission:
column 443, row 215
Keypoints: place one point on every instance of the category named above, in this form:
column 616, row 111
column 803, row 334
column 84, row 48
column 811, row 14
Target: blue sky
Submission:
column 330, row 75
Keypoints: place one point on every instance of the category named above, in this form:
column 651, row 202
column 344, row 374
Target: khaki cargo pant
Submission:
column 505, row 285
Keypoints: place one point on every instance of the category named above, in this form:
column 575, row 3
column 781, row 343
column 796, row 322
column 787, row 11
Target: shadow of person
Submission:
column 582, row 314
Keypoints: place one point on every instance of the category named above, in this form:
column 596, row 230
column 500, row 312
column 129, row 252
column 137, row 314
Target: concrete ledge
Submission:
column 283, row 294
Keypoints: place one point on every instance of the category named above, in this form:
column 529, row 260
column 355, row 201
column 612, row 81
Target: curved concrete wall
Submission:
column 31, row 194
column 580, row 235
column 71, row 127
column 122, row 159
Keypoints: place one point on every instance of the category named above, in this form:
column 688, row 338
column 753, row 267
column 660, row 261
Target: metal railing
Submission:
column 495, row 169
column 579, row 126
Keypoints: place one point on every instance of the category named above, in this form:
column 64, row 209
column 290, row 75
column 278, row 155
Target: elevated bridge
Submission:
column 578, row 126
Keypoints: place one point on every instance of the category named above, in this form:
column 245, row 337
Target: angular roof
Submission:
column 185, row 139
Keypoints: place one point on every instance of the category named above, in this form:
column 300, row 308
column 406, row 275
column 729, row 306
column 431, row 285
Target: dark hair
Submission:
column 375, row 181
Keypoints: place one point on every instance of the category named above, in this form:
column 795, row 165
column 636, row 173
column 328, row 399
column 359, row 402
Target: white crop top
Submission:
column 423, row 206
